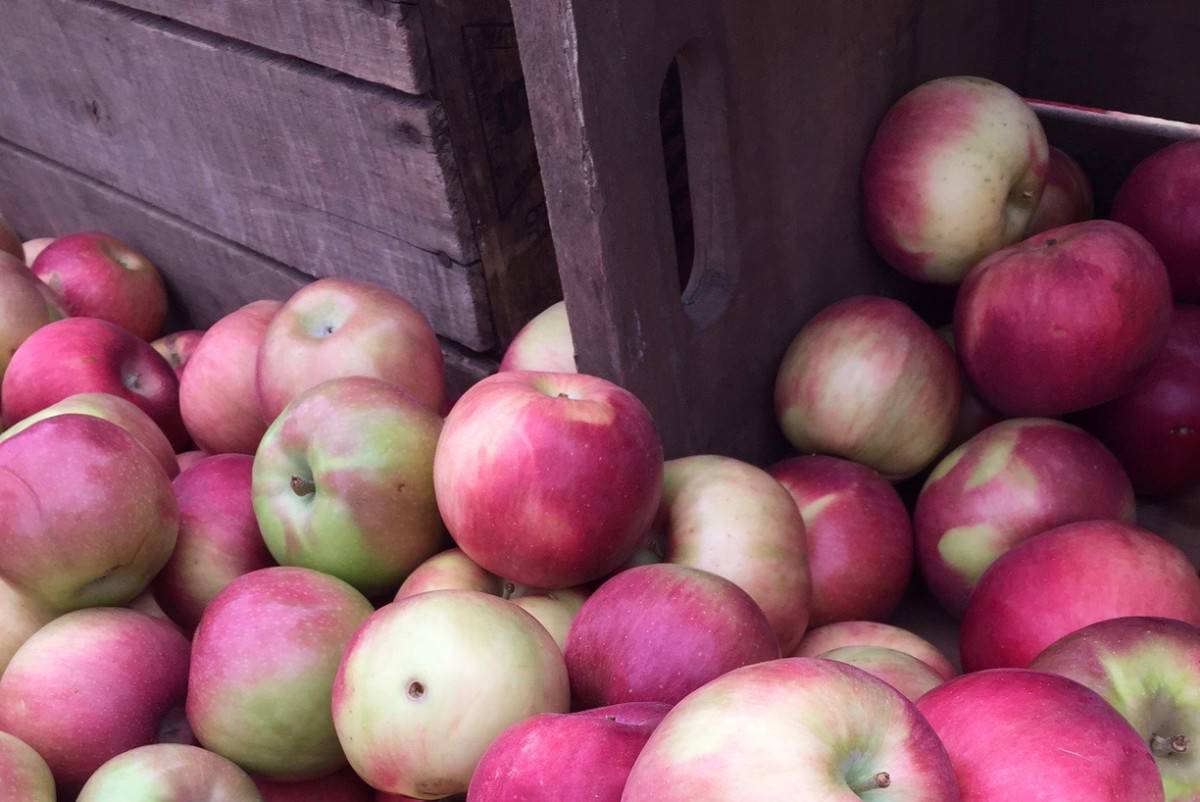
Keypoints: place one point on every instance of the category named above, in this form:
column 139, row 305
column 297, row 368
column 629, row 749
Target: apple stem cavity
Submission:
column 415, row 690
column 880, row 780
column 1162, row 746
column 303, row 487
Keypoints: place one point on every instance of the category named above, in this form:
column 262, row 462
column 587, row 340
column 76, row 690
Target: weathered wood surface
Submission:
column 207, row 276
column 329, row 174
column 377, row 40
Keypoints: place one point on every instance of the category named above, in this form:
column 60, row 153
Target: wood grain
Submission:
column 377, row 40
column 329, row 174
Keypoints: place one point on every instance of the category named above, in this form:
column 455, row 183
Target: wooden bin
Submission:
column 249, row 145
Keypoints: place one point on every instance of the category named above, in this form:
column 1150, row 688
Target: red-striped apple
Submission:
column 177, row 348
column 1067, row 197
column 902, row 671
column 24, row 776
column 169, row 773
column 543, row 344
column 872, row 633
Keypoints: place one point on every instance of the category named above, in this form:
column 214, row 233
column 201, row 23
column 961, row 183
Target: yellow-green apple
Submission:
column 113, row 409
column 548, row 479
column 1149, row 670
column 554, row 757
column 1067, row 197
column 217, row 394
column 1072, row 576
column 92, row 684
column 868, row 380
column 430, row 681
column 21, row 615
column 89, row 514
column 169, row 773
column 343, row 786
column 1154, row 429
column 1011, row 481
column 82, row 355
column 23, row 309
column 860, row 541
column 872, row 633
column 1017, row 736
column 218, row 537
column 10, row 243
column 732, row 519
column 453, row 570
column 177, row 348
column 656, row 633
column 955, row 172
column 97, row 275
column 902, row 671
column 1063, row 321
column 32, row 248
column 24, row 776
column 334, row 328
column 793, row 729
column 343, row 483
column 263, row 662
column 1161, row 200
column 187, row 459
column 543, row 344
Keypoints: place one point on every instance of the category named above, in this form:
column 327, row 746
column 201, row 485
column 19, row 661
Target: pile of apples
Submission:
column 273, row 561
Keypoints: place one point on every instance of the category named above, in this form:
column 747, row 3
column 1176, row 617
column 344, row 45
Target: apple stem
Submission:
column 1162, row 746
column 880, row 780
column 303, row 487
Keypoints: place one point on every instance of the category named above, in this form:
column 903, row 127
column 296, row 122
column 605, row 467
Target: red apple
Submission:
column 344, row 786
column 872, row 633
column 1065, row 320
column 1154, row 429
column 554, row 757
column 1019, row 736
column 10, row 243
column 21, row 615
column 178, row 348
column 334, row 328
column 169, row 773
column 902, row 671
column 954, row 173
column 868, row 380
column 99, row 276
column 23, row 309
column 32, row 248
column 732, row 519
column 24, row 776
column 1067, row 578
column 1010, row 482
column 656, row 633
column 263, row 662
column 218, row 537
column 93, row 684
column 548, row 479
column 793, row 729
column 1067, row 197
column 1161, row 200
column 860, row 542
column 218, row 396
column 543, row 344
column 89, row 514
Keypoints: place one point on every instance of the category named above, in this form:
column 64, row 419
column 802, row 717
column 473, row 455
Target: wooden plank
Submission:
column 377, row 40
column 207, row 276
column 329, row 174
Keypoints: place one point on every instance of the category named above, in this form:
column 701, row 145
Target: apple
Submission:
column 733, row 519
column 218, row 396
column 955, row 172
column 548, row 479
column 10, row 243
column 334, row 328
column 1148, row 669
column 23, row 309
column 146, row 604
column 823, row 640
column 113, row 409
column 263, row 662
column 177, row 348
column 543, row 344
column 344, row 786
column 81, row 355
column 656, row 633
column 793, row 729
column 1067, row 578
column 99, row 276
column 860, row 541
column 973, row 414
column 169, row 773
column 555, row 610
column 21, row 615
column 1011, row 481
column 868, row 380
column 1017, row 736
column 24, row 776
column 189, row 458
column 429, row 682
column 92, row 684
column 902, row 671
column 32, row 248
column 1067, row 197
column 1063, row 321
column 1161, row 200
column 554, row 757
column 1154, row 429
column 343, row 483
column 218, row 537
column 89, row 514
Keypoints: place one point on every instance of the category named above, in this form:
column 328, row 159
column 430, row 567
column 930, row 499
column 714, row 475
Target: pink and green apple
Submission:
column 23, row 308
column 872, row 633
column 177, row 348
column 169, row 773
column 1067, row 197
column 24, row 776
column 902, row 671
column 543, row 344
